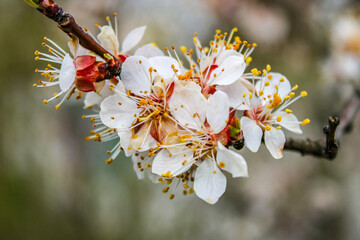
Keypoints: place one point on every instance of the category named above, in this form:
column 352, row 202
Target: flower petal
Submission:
column 118, row 112
column 176, row 164
column 95, row 98
column 235, row 92
column 163, row 66
column 210, row 182
column 188, row 106
column 135, row 74
column 148, row 51
column 67, row 73
column 252, row 133
column 231, row 161
column 125, row 136
column 233, row 67
column 289, row 121
column 132, row 39
column 274, row 141
column 283, row 85
column 143, row 140
column 217, row 112
column 108, row 39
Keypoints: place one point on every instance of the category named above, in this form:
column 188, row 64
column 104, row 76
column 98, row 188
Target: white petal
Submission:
column 132, row 39
column 274, row 141
column 234, row 162
column 210, row 182
column 225, row 54
column 235, row 92
column 125, row 136
column 217, row 112
column 163, row 64
column 233, row 69
column 284, row 87
column 94, row 98
column 252, row 133
column 289, row 121
column 148, row 51
column 135, row 75
column 164, row 162
column 118, row 112
column 136, row 160
column 67, row 73
column 188, row 106
column 108, row 39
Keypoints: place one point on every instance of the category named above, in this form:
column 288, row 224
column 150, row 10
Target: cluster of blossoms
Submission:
column 181, row 122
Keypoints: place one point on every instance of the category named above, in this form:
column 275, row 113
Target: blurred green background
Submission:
column 55, row 185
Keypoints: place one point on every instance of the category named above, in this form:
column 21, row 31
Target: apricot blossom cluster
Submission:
column 178, row 120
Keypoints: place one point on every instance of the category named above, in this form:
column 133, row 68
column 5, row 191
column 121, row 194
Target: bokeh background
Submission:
column 55, row 185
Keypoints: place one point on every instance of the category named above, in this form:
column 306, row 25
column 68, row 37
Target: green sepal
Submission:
column 108, row 56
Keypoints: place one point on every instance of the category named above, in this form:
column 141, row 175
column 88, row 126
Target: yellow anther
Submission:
column 34, row 85
column 261, row 92
column 267, row 83
column 46, row 101
column 183, row 49
column 244, row 95
column 114, row 14
column 282, row 79
column 221, row 164
column 166, row 189
column 254, row 45
column 268, row 68
column 278, row 119
column 278, row 128
column 287, row 97
column 109, row 161
column 295, row 87
column 107, row 18
column 57, row 107
column 171, row 197
column 267, row 128
column 250, row 95
column 306, row 121
column 191, row 191
column 248, row 60
column 288, row 111
column 304, row 94
column 134, row 136
column 186, row 186
column 292, row 94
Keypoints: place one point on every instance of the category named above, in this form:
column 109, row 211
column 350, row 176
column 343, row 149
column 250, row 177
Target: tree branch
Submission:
column 67, row 23
column 328, row 147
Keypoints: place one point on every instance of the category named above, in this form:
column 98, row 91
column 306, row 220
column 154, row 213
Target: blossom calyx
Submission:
column 88, row 72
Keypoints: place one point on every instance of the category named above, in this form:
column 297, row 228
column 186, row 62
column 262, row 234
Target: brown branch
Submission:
column 328, row 147
column 67, row 23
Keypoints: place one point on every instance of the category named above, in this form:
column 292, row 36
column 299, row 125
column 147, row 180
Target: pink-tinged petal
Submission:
column 132, row 39
column 148, row 51
column 108, row 39
column 274, row 141
column 235, row 92
column 233, row 67
column 118, row 112
column 125, row 136
column 175, row 164
column 67, row 73
column 135, row 75
column 231, row 161
column 217, row 113
column 289, row 121
column 252, row 133
column 163, row 66
column 210, row 182
column 188, row 106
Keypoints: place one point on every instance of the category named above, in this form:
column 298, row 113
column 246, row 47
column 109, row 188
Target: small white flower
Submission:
column 197, row 151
